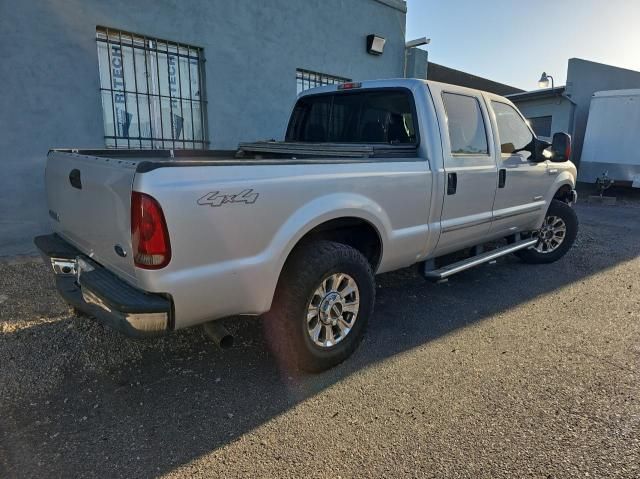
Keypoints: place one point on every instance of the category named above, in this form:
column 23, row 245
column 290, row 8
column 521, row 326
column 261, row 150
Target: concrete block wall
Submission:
column 49, row 71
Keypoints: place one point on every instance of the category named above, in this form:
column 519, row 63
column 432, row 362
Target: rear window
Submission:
column 375, row 116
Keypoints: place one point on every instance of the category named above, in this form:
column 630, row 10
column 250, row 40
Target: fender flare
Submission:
column 316, row 212
column 563, row 179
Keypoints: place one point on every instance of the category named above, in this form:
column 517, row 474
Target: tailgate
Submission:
column 89, row 200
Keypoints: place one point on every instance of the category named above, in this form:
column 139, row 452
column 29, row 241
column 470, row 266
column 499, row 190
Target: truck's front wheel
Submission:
column 322, row 304
column 555, row 236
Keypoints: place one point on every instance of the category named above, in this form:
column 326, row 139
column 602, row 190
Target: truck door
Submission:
column 522, row 182
column 470, row 170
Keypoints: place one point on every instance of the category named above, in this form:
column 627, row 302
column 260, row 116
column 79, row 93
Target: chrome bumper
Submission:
column 97, row 292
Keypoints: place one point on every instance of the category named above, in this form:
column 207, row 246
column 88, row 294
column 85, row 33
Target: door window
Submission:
column 467, row 131
column 514, row 133
column 541, row 125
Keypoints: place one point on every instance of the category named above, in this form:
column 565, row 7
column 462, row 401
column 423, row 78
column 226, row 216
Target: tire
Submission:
column 288, row 329
column 567, row 215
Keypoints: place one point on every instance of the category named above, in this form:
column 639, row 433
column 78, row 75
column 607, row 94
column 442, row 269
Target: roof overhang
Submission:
column 540, row 94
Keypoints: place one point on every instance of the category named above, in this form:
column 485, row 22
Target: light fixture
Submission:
column 375, row 44
column 544, row 81
column 417, row 42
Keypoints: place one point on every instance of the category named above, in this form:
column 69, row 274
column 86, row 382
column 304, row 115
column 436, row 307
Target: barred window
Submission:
column 152, row 92
column 306, row 79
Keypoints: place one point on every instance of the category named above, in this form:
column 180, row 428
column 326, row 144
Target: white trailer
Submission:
column 611, row 140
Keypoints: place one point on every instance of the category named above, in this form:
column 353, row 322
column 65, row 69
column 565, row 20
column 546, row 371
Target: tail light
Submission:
column 149, row 235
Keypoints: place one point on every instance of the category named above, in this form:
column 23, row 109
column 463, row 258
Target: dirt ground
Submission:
column 508, row 370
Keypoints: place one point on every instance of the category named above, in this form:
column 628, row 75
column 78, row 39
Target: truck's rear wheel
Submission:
column 555, row 236
column 322, row 304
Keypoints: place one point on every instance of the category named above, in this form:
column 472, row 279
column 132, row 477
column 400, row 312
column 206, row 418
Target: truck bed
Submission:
column 226, row 256
column 264, row 152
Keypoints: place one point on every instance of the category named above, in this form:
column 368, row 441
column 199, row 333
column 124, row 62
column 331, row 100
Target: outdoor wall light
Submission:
column 375, row 44
column 544, row 81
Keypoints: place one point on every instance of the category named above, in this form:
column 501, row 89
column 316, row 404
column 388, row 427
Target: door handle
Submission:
column 452, row 183
column 502, row 178
column 74, row 179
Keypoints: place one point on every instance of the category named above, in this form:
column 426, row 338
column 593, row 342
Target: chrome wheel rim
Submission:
column 333, row 310
column 551, row 235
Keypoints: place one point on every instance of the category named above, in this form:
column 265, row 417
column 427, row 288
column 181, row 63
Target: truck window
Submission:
column 374, row 116
column 467, row 131
column 513, row 131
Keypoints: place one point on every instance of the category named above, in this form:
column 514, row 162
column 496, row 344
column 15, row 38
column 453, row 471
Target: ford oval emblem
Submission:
column 120, row 251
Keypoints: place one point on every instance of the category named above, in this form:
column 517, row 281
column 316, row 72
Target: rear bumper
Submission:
column 94, row 290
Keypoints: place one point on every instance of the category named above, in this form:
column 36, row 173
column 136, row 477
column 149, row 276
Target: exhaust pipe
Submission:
column 219, row 334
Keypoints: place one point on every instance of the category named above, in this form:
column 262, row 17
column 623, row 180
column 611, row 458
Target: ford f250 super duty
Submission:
column 371, row 177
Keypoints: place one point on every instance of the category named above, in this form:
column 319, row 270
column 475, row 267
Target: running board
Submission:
column 454, row 268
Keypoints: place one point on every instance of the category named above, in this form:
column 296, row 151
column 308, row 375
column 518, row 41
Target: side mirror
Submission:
column 560, row 147
column 541, row 150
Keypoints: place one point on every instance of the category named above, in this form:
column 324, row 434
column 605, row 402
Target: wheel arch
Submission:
column 563, row 183
column 561, row 187
column 563, row 193
column 352, row 231
column 350, row 219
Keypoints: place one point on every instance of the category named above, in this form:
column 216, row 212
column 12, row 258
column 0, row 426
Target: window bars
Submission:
column 306, row 79
column 152, row 92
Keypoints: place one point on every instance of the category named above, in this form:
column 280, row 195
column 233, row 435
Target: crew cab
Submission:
column 372, row 177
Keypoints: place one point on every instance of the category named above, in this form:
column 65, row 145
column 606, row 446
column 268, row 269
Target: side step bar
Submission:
column 454, row 268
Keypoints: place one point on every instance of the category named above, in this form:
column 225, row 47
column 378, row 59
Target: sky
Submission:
column 513, row 42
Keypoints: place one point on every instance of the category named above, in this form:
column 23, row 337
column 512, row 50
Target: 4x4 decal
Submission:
column 215, row 198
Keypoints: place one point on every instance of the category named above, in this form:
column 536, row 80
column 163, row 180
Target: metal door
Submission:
column 470, row 169
column 522, row 182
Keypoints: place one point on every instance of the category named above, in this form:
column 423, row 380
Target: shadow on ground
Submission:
column 170, row 407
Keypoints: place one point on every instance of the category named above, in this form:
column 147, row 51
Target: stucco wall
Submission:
column 417, row 61
column 49, row 71
column 559, row 108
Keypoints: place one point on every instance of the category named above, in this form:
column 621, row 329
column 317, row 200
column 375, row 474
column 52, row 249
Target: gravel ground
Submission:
column 508, row 370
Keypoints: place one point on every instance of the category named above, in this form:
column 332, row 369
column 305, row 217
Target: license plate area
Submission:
column 82, row 266
column 64, row 266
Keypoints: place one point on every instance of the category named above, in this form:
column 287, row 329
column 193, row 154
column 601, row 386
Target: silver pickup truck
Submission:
column 371, row 177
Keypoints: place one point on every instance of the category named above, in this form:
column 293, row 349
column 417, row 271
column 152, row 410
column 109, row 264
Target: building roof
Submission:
column 614, row 93
column 538, row 94
column 444, row 74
